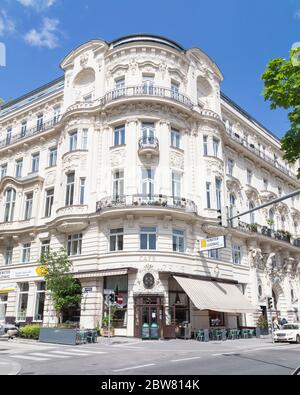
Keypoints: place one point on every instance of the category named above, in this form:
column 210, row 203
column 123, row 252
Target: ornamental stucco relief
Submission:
column 117, row 157
column 176, row 160
column 139, row 285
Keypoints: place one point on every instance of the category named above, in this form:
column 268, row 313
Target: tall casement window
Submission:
column 205, row 145
column 218, row 182
column 8, row 135
column 8, row 256
column 118, row 184
column 119, row 135
column 73, row 140
column 178, row 240
column 81, row 190
column 208, row 195
column 174, row 89
column 175, row 138
column 148, row 182
column 148, row 238
column 22, row 301
column 45, row 247
column 232, row 202
column 74, row 244
column 19, row 168
column 28, row 205
column 39, row 301
column 52, row 156
column 10, row 202
column 236, row 254
column 3, row 171
column 70, row 189
column 148, row 83
column 230, row 166
column 176, row 184
column 25, row 256
column 49, row 202
column 120, row 86
column 40, row 122
column 216, row 144
column 271, row 219
column 148, row 132
column 84, row 139
column 56, row 114
column 23, row 128
column 249, row 176
column 116, row 239
column 35, row 162
column 252, row 215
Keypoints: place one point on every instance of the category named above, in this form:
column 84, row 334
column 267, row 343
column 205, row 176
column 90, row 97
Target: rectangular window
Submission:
column 39, row 301
column 118, row 184
column 22, row 301
column 249, row 177
column 52, row 156
column 45, row 247
column 236, row 254
column 81, row 190
column 26, row 253
column 148, row 183
column 116, row 239
column 120, row 86
column 8, row 255
column 148, row 132
column 230, row 166
column 205, row 145
column 70, row 189
column 39, row 122
column 120, row 285
column 19, row 167
column 178, row 240
column 119, row 135
column 74, row 244
column 35, row 161
column 216, row 144
column 219, row 193
column 148, row 238
column 214, row 254
column 49, row 202
column 174, row 89
column 56, row 114
column 73, row 141
column 10, row 202
column 3, row 171
column 84, row 140
column 176, row 184
column 28, row 205
column 148, row 82
column 208, row 195
column 8, row 135
column 175, row 138
column 23, row 128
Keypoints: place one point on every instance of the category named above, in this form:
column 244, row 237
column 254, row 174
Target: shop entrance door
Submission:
column 149, row 310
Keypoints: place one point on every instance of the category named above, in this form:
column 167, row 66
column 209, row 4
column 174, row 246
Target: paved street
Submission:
column 133, row 356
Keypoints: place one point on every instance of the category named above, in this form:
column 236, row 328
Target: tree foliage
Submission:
column 65, row 290
column 282, row 88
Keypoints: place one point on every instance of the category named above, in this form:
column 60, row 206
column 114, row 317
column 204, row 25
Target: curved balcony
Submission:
column 148, row 146
column 145, row 202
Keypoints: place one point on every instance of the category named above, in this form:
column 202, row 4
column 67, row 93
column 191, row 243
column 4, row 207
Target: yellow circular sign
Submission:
column 42, row 270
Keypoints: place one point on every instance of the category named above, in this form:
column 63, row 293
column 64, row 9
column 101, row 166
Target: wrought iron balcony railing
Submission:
column 148, row 142
column 161, row 201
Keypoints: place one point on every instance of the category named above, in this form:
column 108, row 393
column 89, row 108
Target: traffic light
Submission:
column 222, row 217
column 270, row 303
column 112, row 298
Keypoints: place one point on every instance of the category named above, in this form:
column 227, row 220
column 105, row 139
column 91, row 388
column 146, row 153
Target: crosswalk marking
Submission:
column 38, row 354
column 29, row 357
column 87, row 351
column 68, row 353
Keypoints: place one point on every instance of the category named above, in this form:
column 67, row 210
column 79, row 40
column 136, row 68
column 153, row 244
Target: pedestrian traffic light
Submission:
column 222, row 217
column 270, row 303
column 112, row 298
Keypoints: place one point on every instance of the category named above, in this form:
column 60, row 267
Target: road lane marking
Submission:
column 29, row 358
column 87, row 351
column 133, row 367
column 38, row 354
column 69, row 353
column 184, row 359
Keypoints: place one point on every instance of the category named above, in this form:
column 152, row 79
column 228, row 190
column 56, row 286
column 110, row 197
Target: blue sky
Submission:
column 240, row 35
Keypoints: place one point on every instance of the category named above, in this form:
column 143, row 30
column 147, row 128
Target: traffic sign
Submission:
column 213, row 243
column 120, row 299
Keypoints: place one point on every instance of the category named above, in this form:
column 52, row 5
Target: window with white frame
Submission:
column 70, row 189
column 8, row 256
column 8, row 135
column 178, row 240
column 205, row 145
column 148, row 82
column 49, row 202
column 28, row 205
column 39, row 122
column 208, row 195
column 252, row 215
column 52, row 156
column 148, row 132
column 116, row 239
column 120, row 86
column 119, row 135
column 176, row 184
column 25, row 256
column 236, row 254
column 175, row 138
column 74, row 244
column 35, row 162
column 174, row 89
column 45, row 247
column 10, row 202
column 56, row 114
column 230, row 166
column 73, row 140
column 216, row 144
column 19, row 167
column 81, row 190
column 22, row 301
column 148, row 182
column 23, row 128
column 39, row 301
column 118, row 184
column 214, row 254
column 218, row 183
column 148, row 238
column 84, row 139
column 3, row 171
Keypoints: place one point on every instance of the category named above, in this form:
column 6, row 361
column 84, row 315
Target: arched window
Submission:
column 10, row 201
column 252, row 215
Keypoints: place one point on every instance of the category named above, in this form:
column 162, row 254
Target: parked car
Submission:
column 8, row 330
column 288, row 333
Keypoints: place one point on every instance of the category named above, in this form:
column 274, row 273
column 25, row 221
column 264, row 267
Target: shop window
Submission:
column 119, row 284
column 22, row 301
column 216, row 318
column 3, row 306
column 39, row 301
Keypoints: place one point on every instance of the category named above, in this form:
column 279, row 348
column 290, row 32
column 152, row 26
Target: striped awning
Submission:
column 216, row 296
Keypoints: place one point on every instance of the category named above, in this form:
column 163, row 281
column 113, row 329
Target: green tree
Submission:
column 64, row 288
column 282, row 88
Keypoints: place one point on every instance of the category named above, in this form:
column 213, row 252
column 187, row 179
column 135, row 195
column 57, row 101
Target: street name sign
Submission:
column 213, row 243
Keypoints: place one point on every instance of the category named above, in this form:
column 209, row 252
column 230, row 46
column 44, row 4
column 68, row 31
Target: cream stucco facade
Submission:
column 124, row 161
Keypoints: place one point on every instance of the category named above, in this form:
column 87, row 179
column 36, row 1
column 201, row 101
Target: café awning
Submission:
column 216, row 296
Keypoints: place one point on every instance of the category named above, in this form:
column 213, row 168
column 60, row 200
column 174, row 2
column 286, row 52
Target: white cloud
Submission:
column 7, row 25
column 297, row 14
column 38, row 5
column 47, row 36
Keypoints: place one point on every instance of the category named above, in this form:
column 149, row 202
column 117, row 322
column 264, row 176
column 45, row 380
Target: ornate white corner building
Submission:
column 124, row 162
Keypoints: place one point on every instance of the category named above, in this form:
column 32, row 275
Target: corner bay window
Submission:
column 178, row 240
column 116, row 239
column 73, row 141
column 74, row 244
column 148, row 238
column 119, row 284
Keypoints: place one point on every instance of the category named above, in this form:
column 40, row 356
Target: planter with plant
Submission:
column 252, row 227
column 107, row 323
